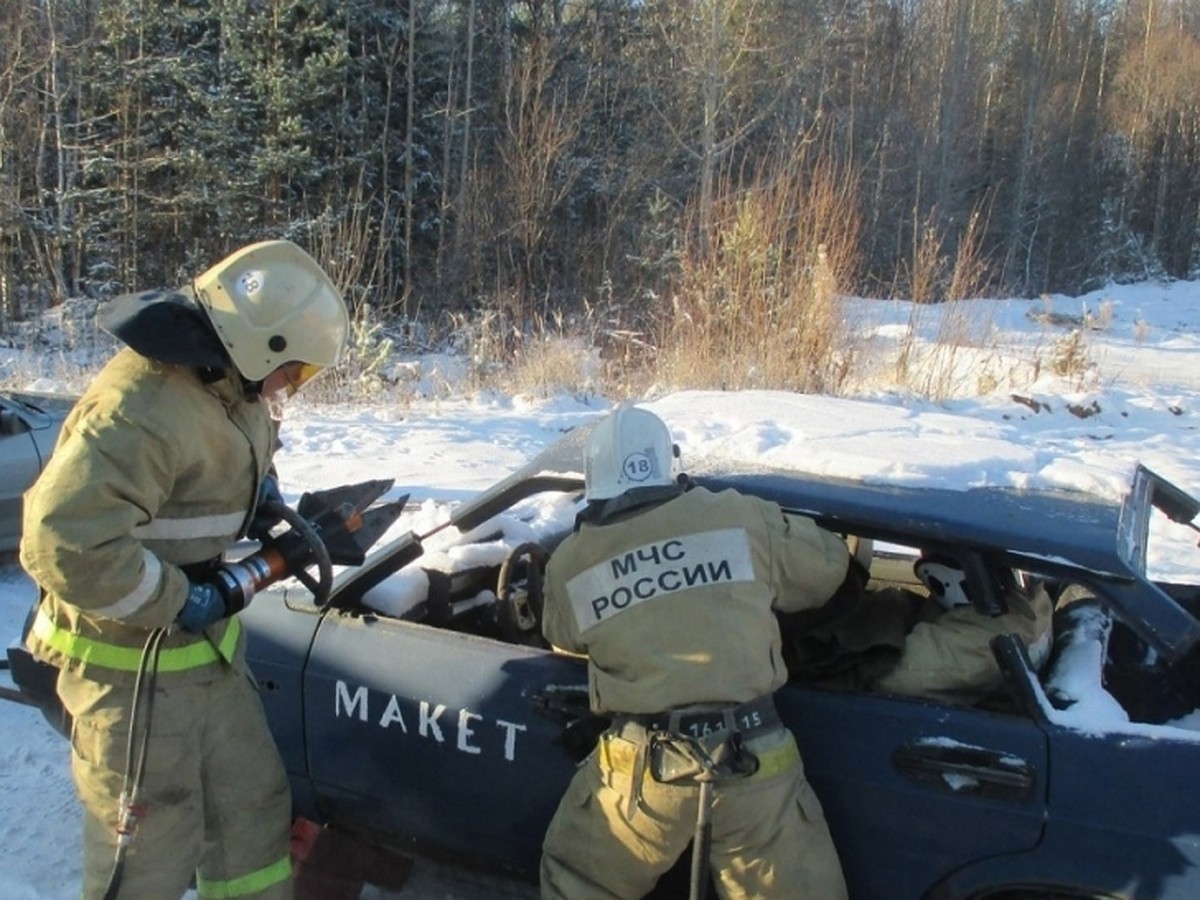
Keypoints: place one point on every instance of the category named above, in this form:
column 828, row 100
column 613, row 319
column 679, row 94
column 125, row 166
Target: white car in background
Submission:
column 29, row 426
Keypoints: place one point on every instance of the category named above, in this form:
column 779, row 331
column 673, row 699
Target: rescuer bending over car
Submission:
column 672, row 595
column 933, row 642
column 160, row 465
column 946, row 654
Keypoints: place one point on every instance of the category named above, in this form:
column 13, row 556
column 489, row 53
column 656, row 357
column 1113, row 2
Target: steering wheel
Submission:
column 519, row 612
column 321, row 585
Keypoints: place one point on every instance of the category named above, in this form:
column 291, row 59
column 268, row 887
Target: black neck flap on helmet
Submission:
column 169, row 327
column 601, row 512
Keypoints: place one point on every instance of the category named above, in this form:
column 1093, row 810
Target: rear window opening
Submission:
column 1103, row 678
column 1097, row 674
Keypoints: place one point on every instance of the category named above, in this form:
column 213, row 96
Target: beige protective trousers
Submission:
column 769, row 836
column 216, row 797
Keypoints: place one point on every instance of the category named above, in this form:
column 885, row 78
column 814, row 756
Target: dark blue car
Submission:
column 447, row 727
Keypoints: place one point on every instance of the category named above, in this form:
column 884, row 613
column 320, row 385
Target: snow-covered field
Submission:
column 1137, row 400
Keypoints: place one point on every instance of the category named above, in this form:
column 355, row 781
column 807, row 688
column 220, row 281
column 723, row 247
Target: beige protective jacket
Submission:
column 674, row 604
column 948, row 656
column 153, row 470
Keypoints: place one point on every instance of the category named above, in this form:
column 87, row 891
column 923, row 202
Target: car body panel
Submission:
column 29, row 426
column 458, row 705
column 378, row 718
column 430, row 733
column 1094, row 842
column 279, row 635
column 903, row 785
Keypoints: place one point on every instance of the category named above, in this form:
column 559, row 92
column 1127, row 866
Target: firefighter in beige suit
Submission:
column 672, row 594
column 160, row 465
column 947, row 654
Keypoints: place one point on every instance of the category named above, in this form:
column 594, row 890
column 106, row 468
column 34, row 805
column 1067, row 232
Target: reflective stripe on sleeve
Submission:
column 260, row 880
column 137, row 598
column 126, row 659
column 220, row 526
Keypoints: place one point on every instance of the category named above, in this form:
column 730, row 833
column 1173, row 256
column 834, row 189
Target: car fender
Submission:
column 280, row 625
column 1098, row 781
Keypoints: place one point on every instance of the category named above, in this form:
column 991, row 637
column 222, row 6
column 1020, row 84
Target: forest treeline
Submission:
column 694, row 164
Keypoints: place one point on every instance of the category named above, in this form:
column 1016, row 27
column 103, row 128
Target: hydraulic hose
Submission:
column 141, row 707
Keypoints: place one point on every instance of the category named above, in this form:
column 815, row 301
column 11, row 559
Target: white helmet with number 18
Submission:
column 631, row 448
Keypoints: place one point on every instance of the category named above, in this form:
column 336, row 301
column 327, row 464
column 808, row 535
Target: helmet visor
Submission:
column 299, row 374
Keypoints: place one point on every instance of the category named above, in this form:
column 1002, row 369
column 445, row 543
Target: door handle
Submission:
column 962, row 769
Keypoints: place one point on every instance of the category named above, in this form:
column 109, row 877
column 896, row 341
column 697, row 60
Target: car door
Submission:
column 1123, row 818
column 433, row 735
column 914, row 790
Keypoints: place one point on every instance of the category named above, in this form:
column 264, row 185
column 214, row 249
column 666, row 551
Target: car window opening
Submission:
column 887, row 633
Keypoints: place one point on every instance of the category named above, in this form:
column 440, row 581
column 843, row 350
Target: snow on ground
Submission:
column 1008, row 417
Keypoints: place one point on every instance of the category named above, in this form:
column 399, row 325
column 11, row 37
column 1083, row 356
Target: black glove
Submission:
column 264, row 519
column 204, row 607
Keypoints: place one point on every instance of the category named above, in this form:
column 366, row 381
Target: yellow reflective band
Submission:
column 276, row 872
column 229, row 640
column 622, row 757
column 778, row 760
column 127, row 659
